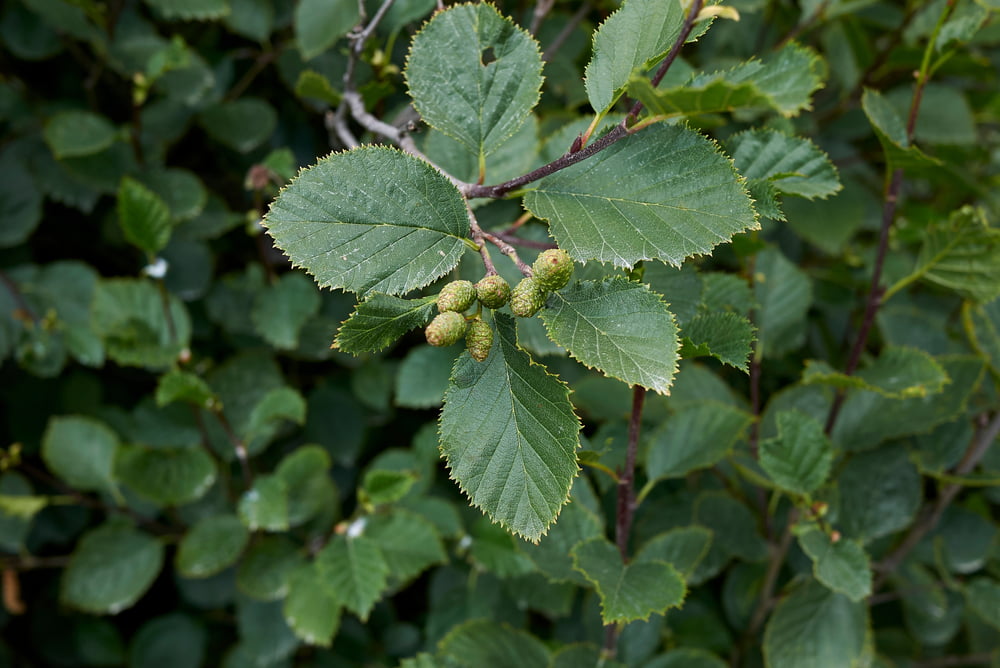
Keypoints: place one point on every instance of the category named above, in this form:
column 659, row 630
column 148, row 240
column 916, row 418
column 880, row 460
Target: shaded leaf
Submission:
column 111, row 568
column 409, row 543
column 131, row 317
column 897, row 373
column 81, row 451
column 371, row 220
column 265, row 505
column 283, row 308
column 799, row 459
column 784, row 293
column 264, row 569
column 190, row 10
column 841, row 565
column 306, row 473
column 474, row 75
column 695, row 437
column 72, row 134
column 509, row 435
column 723, row 335
column 628, row 591
column 982, row 325
column 683, row 548
column 176, row 385
column 210, row 546
column 665, row 193
column 891, row 132
column 320, row 23
column 144, row 217
column 481, row 642
column 617, row 326
column 168, row 477
column 241, row 125
column 311, row 611
column 423, row 376
column 354, row 572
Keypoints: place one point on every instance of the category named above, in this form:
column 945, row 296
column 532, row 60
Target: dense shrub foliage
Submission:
column 654, row 334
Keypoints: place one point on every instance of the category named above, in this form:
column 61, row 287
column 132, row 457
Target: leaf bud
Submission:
column 527, row 298
column 456, row 296
column 552, row 269
column 445, row 329
column 493, row 291
column 479, row 340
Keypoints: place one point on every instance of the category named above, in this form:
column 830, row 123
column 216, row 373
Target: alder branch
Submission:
column 616, row 134
column 574, row 21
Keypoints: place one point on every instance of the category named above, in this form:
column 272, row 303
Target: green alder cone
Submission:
column 493, row 291
column 445, row 329
column 479, row 340
column 552, row 269
column 456, row 296
column 527, row 298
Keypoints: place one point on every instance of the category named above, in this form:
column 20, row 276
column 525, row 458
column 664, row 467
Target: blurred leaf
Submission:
column 683, row 548
column 551, row 555
column 628, row 591
column 784, row 294
column 840, row 565
column 648, row 27
column 314, row 85
column 81, row 451
column 111, row 568
column 880, row 492
column 666, row 193
column 144, row 217
column 813, row 626
column 176, row 385
column 20, row 202
column 495, row 63
column 265, row 505
column 509, row 436
column 723, row 335
column 190, row 10
column 799, row 459
column 479, row 643
column 380, row 487
column 617, row 326
column 175, row 639
column 891, row 133
column 211, row 545
column 983, row 596
column 423, row 376
column 409, row 543
column 370, row 220
column 495, row 550
column 354, row 572
column 264, row 569
column 695, row 437
column 168, row 477
column 138, row 325
column 982, row 325
column 307, row 479
column 72, row 134
column 320, row 23
column 251, row 18
column 310, row 610
column 897, row 373
column 282, row 308
column 241, row 125
column 18, row 506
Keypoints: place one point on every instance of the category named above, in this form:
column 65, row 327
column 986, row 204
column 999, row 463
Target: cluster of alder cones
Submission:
column 550, row 271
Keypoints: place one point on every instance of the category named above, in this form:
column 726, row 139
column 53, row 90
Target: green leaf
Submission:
column 496, row 551
column 265, row 505
column 18, row 507
column 320, row 23
column 793, row 165
column 898, row 373
column 281, row 403
column 71, row 134
column 799, row 459
column 307, row 479
column 868, row 418
column 409, row 543
column 479, row 643
column 174, row 639
column 509, row 435
column 423, row 376
column 784, row 294
column 982, row 325
column 723, row 335
column 20, row 202
column 241, row 125
column 880, row 493
column 310, row 610
column 783, row 82
column 474, row 75
column 380, row 320
column 130, row 316
column 181, row 190
column 312, row 84
column 619, row 327
column 111, row 568
column 167, row 477
column 636, row 36
column 251, row 18
column 144, row 217
column 628, row 591
column 264, row 635
column 176, row 385
column 983, row 596
column 190, row 10
column 381, row 487
column 665, row 193
column 687, row 658
column 353, row 571
column 891, row 133
column 81, row 451
column 210, row 546
column 842, row 565
column 733, row 525
column 263, row 571
column 282, row 308
column 551, row 555
column 961, row 254
column 683, row 548
column 695, row 437
column 815, row 627
column 371, row 220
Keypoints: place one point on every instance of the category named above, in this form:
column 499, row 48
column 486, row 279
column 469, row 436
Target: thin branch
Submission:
column 18, row 298
column 30, row 562
column 526, row 243
column 238, row 446
column 477, row 236
column 574, row 21
column 361, row 37
column 263, row 59
column 625, row 510
column 617, row 133
column 802, row 26
column 542, row 8
column 929, row 519
column 510, row 252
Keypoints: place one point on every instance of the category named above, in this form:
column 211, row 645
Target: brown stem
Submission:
column 625, row 509
column 19, row 301
column 262, row 60
column 574, row 21
column 478, row 237
column 515, row 240
column 542, row 8
column 802, row 26
column 238, row 446
column 30, row 562
column 510, row 252
column 931, row 516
